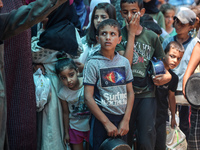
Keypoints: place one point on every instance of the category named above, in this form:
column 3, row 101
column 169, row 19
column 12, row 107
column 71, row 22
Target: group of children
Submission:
column 116, row 96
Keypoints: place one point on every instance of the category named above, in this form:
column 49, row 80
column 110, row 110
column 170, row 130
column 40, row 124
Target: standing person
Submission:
column 76, row 115
column 101, row 12
column 11, row 24
column 108, row 89
column 139, row 45
column 194, row 136
column 183, row 23
column 169, row 11
column 45, row 48
column 165, row 94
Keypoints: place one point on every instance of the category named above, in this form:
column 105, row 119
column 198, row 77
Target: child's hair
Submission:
column 196, row 10
column 140, row 3
column 110, row 22
column 91, row 34
column 175, row 45
column 63, row 63
column 165, row 7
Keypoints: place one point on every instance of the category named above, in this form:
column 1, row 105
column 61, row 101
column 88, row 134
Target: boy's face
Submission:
column 108, row 37
column 173, row 58
column 128, row 10
column 182, row 28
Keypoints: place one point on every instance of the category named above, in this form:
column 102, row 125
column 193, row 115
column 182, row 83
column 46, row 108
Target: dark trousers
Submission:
column 98, row 132
column 144, row 117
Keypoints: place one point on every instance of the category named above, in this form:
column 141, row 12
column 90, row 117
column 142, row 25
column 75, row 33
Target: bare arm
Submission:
column 124, row 124
column 172, row 103
column 162, row 79
column 65, row 111
column 96, row 111
column 194, row 61
column 26, row 16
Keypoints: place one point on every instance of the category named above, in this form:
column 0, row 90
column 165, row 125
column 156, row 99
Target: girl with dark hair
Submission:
column 102, row 11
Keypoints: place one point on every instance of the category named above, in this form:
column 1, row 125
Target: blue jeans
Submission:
column 143, row 117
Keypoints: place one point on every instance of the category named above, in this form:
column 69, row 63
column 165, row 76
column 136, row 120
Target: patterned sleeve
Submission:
column 129, row 75
column 120, row 47
column 90, row 73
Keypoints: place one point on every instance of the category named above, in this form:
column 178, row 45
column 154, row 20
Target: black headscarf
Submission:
column 60, row 32
column 151, row 7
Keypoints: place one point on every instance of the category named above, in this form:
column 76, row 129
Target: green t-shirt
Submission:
column 159, row 17
column 147, row 45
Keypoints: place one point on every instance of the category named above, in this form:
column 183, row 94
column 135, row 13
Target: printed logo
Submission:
column 113, row 76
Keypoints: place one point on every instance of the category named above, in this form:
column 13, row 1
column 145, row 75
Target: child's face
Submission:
column 173, row 58
column 69, row 78
column 128, row 10
column 100, row 15
column 169, row 17
column 182, row 28
column 109, row 37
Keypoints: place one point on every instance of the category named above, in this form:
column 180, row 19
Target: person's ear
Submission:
column 142, row 12
column 97, row 38
column 120, row 38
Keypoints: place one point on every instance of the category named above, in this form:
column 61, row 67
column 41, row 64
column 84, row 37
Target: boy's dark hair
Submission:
column 174, row 45
column 63, row 63
column 91, row 34
column 165, row 7
column 110, row 22
column 140, row 3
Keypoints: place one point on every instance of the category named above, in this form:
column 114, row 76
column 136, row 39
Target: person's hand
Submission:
column 123, row 128
column 66, row 138
column 133, row 24
column 111, row 129
column 37, row 66
column 173, row 122
column 161, row 79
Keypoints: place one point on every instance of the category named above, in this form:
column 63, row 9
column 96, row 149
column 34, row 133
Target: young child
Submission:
column 108, row 88
column 173, row 54
column 75, row 113
column 184, row 22
column 169, row 11
column 139, row 45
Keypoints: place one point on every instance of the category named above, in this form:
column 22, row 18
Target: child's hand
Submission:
column 66, row 138
column 132, row 25
column 173, row 122
column 37, row 66
column 111, row 129
column 123, row 128
column 162, row 79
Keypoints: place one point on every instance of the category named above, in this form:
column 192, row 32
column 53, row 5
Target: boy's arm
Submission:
column 162, row 79
column 131, row 29
column 95, row 110
column 193, row 62
column 65, row 111
column 124, row 124
column 172, row 103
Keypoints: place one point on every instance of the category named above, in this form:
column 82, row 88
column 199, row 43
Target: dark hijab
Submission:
column 60, row 32
column 151, row 7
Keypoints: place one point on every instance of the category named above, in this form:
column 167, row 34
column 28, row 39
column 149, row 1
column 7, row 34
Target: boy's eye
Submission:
column 96, row 17
column 103, row 33
column 71, row 74
column 112, row 33
column 172, row 56
column 104, row 17
column 125, row 12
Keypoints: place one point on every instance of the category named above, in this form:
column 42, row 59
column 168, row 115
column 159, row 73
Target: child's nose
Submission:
column 129, row 16
column 99, row 19
column 1, row 4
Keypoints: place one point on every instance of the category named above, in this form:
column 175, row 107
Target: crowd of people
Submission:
column 97, row 55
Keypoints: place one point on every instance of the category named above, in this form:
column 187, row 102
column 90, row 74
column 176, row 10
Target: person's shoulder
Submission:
column 174, row 76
